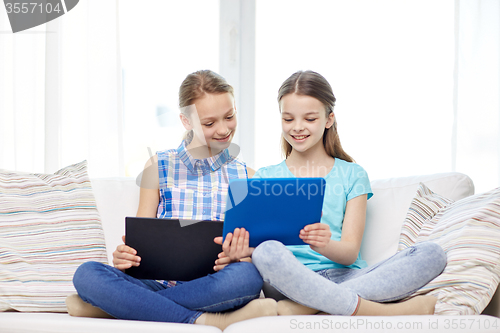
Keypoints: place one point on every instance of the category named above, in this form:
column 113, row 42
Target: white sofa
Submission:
column 118, row 197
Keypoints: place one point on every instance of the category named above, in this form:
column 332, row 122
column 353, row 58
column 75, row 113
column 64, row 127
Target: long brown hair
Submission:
column 195, row 86
column 309, row 83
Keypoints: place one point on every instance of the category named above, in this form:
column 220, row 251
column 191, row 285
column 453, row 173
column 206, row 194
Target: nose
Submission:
column 222, row 129
column 298, row 126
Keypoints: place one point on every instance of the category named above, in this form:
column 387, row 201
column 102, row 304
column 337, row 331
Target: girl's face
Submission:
column 304, row 121
column 213, row 121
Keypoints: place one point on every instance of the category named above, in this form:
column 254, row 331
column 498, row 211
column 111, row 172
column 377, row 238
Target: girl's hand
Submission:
column 125, row 257
column 236, row 245
column 317, row 235
column 235, row 248
column 223, row 261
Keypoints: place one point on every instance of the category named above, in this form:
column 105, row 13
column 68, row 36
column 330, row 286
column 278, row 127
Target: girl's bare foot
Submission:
column 256, row 308
column 78, row 308
column 419, row 305
column 290, row 308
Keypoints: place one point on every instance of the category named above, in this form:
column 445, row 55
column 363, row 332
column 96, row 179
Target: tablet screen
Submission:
column 274, row 208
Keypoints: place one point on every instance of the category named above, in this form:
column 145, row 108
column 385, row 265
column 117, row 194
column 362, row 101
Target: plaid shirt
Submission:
column 195, row 189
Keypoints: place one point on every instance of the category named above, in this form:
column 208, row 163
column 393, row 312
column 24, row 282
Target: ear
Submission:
column 330, row 120
column 185, row 122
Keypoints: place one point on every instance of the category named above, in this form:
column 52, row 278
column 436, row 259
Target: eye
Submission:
column 230, row 117
column 287, row 120
column 208, row 124
column 311, row 119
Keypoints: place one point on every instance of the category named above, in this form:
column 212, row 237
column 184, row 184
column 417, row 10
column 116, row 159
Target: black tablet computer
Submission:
column 171, row 250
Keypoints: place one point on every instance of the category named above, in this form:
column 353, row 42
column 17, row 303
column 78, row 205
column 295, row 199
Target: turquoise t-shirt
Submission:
column 344, row 182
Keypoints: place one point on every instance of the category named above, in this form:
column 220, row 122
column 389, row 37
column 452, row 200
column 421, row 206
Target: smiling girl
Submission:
column 189, row 182
column 329, row 274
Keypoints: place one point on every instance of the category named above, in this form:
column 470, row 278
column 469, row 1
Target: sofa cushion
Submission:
column 387, row 209
column 49, row 225
column 17, row 322
column 366, row 324
column 468, row 230
column 117, row 198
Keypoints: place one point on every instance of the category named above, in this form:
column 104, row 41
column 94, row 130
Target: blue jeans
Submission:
column 336, row 291
column 125, row 297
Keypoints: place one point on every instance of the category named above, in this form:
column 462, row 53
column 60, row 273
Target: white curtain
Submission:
column 61, row 92
column 22, row 97
column 476, row 141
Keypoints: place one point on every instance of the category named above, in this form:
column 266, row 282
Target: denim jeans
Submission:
column 125, row 297
column 336, row 291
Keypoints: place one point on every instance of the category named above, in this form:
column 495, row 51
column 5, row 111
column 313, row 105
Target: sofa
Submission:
column 386, row 213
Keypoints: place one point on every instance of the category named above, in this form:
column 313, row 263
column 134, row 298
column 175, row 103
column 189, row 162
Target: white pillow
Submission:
column 468, row 230
column 49, row 225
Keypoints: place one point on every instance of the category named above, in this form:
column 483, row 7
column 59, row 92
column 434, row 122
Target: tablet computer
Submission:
column 171, row 250
column 273, row 208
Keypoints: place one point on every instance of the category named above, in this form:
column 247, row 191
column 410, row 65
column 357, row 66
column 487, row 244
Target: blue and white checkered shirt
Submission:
column 195, row 189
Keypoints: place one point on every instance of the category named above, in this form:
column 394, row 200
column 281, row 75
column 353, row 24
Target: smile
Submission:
column 299, row 137
column 224, row 139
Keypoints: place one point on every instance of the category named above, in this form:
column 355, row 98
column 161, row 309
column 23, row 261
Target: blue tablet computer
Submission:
column 273, row 208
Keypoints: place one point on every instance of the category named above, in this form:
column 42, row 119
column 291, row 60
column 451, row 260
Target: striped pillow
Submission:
column 49, row 225
column 469, row 232
column 425, row 205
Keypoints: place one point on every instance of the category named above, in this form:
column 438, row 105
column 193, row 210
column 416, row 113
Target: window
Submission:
column 390, row 64
column 161, row 42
